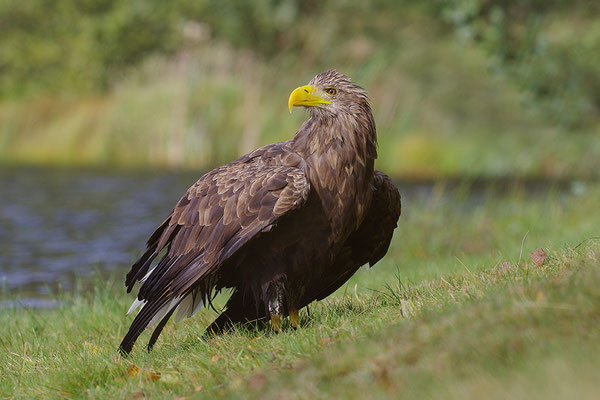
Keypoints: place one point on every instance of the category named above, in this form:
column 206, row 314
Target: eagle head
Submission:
column 330, row 94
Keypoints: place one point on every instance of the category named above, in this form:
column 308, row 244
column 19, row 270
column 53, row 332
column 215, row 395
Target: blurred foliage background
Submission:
column 459, row 88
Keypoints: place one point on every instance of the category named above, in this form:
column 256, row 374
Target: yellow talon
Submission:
column 294, row 318
column 276, row 322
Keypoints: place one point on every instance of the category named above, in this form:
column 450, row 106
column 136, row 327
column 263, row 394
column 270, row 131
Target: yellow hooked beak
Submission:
column 303, row 96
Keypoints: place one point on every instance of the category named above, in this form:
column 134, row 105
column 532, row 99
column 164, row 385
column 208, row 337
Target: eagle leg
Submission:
column 276, row 322
column 294, row 319
column 275, row 299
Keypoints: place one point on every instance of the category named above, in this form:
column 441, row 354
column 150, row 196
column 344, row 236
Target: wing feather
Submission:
column 369, row 243
column 218, row 215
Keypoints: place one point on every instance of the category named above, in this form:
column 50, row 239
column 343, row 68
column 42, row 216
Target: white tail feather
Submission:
column 136, row 304
column 189, row 306
column 199, row 305
column 163, row 311
column 147, row 275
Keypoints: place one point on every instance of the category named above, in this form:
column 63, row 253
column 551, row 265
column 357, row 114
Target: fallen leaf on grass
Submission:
column 538, row 257
column 198, row 388
column 133, row 371
column 215, row 358
column 152, row 376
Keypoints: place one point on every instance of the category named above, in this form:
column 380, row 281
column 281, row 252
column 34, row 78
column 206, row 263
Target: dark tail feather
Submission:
column 159, row 329
column 140, row 323
column 140, row 268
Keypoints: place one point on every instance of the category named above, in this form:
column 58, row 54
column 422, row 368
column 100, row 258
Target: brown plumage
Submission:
column 282, row 226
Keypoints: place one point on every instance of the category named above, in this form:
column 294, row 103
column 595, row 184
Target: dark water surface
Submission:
column 57, row 225
column 60, row 225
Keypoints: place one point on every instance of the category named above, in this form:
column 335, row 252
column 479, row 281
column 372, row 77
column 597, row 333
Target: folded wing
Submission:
column 370, row 242
column 218, row 215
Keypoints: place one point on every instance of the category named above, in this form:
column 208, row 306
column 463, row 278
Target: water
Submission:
column 58, row 225
column 62, row 226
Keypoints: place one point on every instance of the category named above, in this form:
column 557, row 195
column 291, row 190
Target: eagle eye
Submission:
column 331, row 91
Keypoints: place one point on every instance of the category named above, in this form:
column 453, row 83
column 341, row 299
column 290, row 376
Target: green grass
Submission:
column 456, row 309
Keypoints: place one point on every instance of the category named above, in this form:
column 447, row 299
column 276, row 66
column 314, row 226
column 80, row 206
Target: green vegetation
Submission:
column 473, row 87
column 456, row 309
